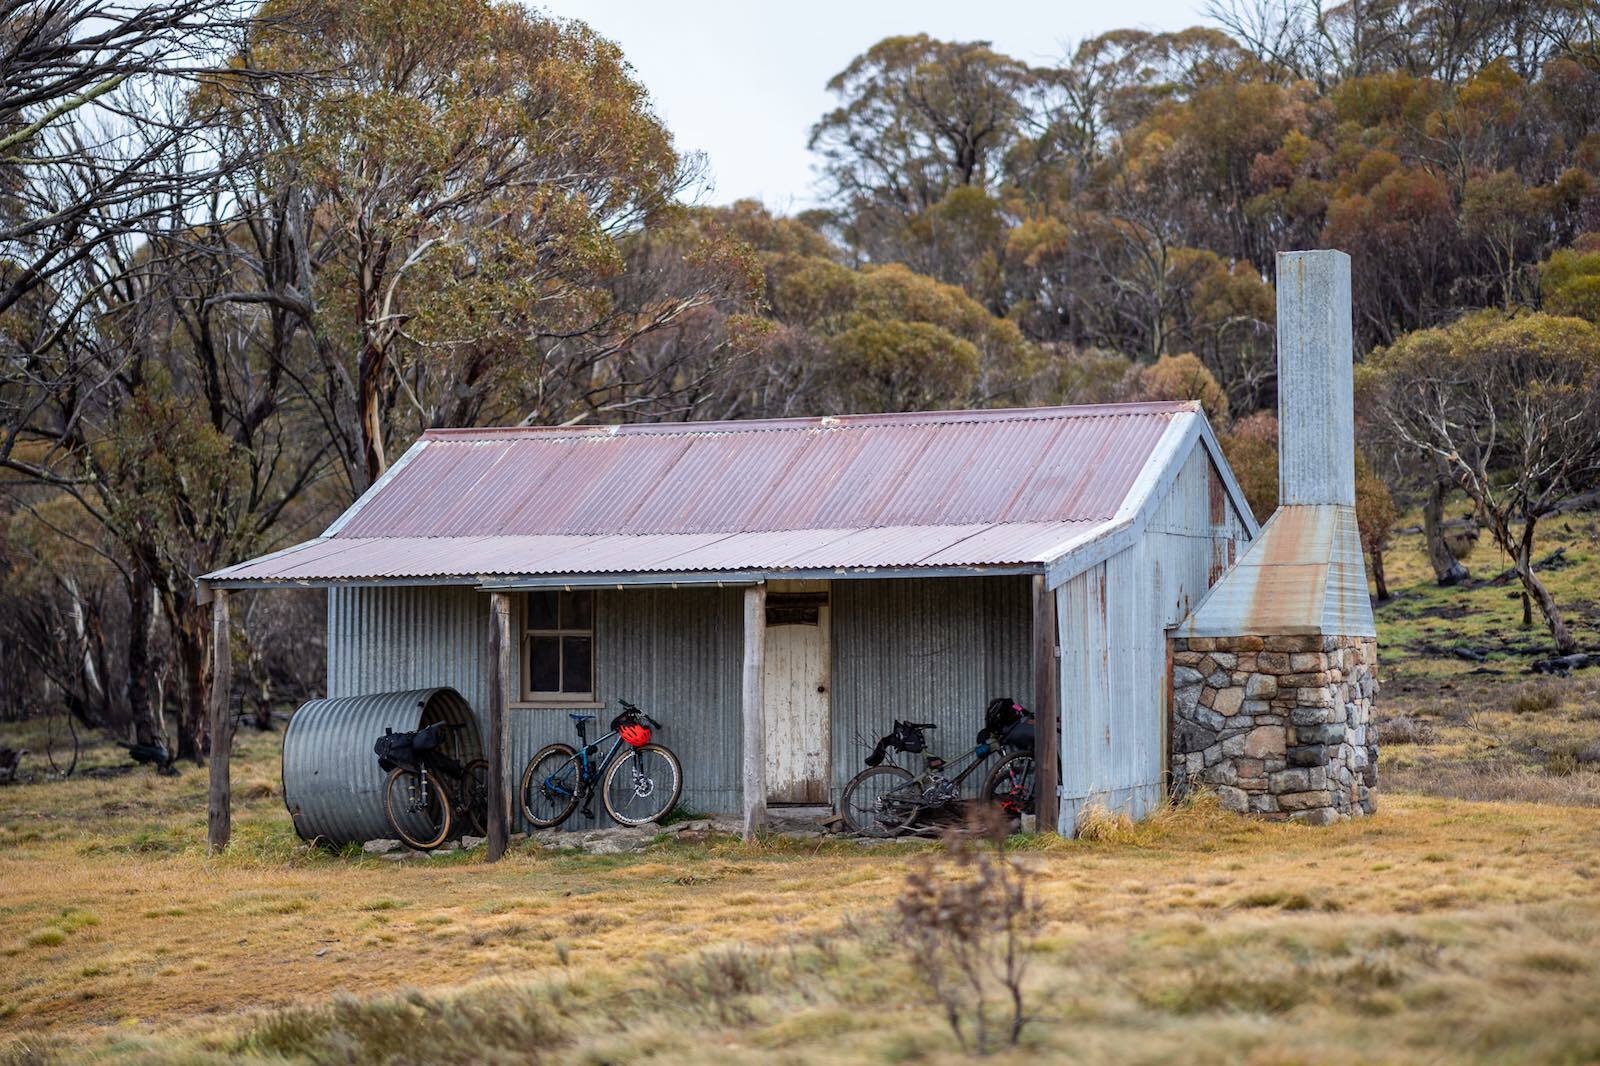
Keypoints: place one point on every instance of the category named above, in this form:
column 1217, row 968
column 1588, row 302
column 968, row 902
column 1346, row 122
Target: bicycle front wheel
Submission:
column 549, row 790
column 418, row 809
column 1011, row 784
column 642, row 785
column 880, row 801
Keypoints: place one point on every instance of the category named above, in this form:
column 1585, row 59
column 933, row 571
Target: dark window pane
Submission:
column 544, row 664
column 577, row 610
column 542, row 610
column 579, row 653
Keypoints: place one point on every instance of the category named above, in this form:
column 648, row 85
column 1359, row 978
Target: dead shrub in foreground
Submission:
column 722, row 980
column 968, row 920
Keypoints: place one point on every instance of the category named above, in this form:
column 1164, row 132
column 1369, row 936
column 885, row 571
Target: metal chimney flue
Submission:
column 1316, row 406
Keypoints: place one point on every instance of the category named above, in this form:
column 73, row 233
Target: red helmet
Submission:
column 635, row 735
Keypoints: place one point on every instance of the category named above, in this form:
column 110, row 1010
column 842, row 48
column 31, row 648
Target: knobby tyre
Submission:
column 642, row 785
column 880, row 801
column 1010, row 784
column 419, row 817
column 474, row 805
column 548, row 793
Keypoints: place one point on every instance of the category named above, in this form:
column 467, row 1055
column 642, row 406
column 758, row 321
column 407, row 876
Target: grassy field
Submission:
column 1443, row 929
column 1465, row 718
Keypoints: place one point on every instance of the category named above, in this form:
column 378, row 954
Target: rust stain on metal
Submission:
column 1218, row 494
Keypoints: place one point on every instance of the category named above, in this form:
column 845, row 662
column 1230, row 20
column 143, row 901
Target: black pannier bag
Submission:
column 1007, row 722
column 402, row 749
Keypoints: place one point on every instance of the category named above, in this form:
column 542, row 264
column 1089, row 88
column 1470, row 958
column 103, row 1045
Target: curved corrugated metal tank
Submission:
column 332, row 783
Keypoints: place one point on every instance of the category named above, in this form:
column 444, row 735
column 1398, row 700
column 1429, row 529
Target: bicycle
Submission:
column 417, row 797
column 639, row 781
column 885, row 799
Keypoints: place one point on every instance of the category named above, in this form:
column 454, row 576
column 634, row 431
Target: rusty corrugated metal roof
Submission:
column 948, row 489
column 1304, row 575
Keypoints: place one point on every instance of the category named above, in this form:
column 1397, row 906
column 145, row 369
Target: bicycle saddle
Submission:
column 580, row 717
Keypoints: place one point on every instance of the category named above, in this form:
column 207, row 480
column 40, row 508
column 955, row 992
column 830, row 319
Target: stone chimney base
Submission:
column 1278, row 726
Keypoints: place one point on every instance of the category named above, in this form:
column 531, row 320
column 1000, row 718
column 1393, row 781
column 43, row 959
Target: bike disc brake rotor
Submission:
column 643, row 785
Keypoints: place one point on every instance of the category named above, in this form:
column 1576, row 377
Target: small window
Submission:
column 558, row 647
column 795, row 608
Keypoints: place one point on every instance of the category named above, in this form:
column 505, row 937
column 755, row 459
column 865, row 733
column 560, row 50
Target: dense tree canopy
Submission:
column 248, row 252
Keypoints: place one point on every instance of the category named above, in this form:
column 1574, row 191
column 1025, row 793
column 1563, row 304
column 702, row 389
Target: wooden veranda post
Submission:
column 755, row 717
column 219, row 813
column 502, row 664
column 1046, row 705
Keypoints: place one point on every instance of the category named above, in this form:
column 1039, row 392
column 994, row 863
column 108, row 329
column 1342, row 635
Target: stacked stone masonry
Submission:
column 1277, row 726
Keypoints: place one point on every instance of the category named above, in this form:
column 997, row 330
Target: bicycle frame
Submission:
column 589, row 771
column 978, row 753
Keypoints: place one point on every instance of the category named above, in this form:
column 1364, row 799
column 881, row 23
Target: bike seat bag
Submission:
column 906, row 736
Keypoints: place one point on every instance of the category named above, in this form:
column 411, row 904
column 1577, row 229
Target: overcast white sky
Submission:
column 744, row 81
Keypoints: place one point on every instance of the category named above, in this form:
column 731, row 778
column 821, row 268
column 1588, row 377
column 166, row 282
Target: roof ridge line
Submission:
column 817, row 422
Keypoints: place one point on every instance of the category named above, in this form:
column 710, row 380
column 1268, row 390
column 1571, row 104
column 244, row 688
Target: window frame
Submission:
column 526, row 697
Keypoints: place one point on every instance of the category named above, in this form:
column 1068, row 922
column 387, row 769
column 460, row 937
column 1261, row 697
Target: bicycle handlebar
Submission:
column 923, row 725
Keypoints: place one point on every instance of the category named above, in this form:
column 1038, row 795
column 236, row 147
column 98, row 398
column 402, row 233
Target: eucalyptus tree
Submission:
column 1506, row 408
column 451, row 184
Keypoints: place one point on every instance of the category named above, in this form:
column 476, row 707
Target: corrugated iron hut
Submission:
column 776, row 590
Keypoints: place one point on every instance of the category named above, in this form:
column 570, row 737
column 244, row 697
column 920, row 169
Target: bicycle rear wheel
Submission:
column 1011, row 784
column 880, row 801
column 549, row 791
column 418, row 809
column 475, row 797
column 642, row 785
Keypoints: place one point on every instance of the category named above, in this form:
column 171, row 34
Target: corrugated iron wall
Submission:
column 929, row 650
column 1113, row 620
column 332, row 783
column 674, row 652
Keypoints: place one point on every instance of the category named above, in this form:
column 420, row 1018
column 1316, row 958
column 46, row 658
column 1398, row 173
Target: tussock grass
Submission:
column 1442, row 929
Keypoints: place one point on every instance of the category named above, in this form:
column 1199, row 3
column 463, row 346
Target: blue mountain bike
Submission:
column 639, row 781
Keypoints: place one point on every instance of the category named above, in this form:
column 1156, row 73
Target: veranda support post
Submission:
column 755, row 718
column 1046, row 705
column 502, row 665
column 219, row 814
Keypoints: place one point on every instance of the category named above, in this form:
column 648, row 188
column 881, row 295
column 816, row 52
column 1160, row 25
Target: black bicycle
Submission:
column 430, row 792
column 639, row 780
column 885, row 799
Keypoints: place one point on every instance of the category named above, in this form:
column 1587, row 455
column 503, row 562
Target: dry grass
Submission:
column 1441, row 928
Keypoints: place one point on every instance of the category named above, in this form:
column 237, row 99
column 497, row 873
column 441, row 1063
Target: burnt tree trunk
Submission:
column 141, row 623
column 190, row 641
column 1379, row 581
column 1447, row 569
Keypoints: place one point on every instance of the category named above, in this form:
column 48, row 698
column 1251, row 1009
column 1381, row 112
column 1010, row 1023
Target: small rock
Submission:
column 470, row 842
column 799, row 834
column 380, row 847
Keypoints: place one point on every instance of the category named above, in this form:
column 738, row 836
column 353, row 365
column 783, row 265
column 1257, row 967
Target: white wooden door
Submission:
column 795, row 685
